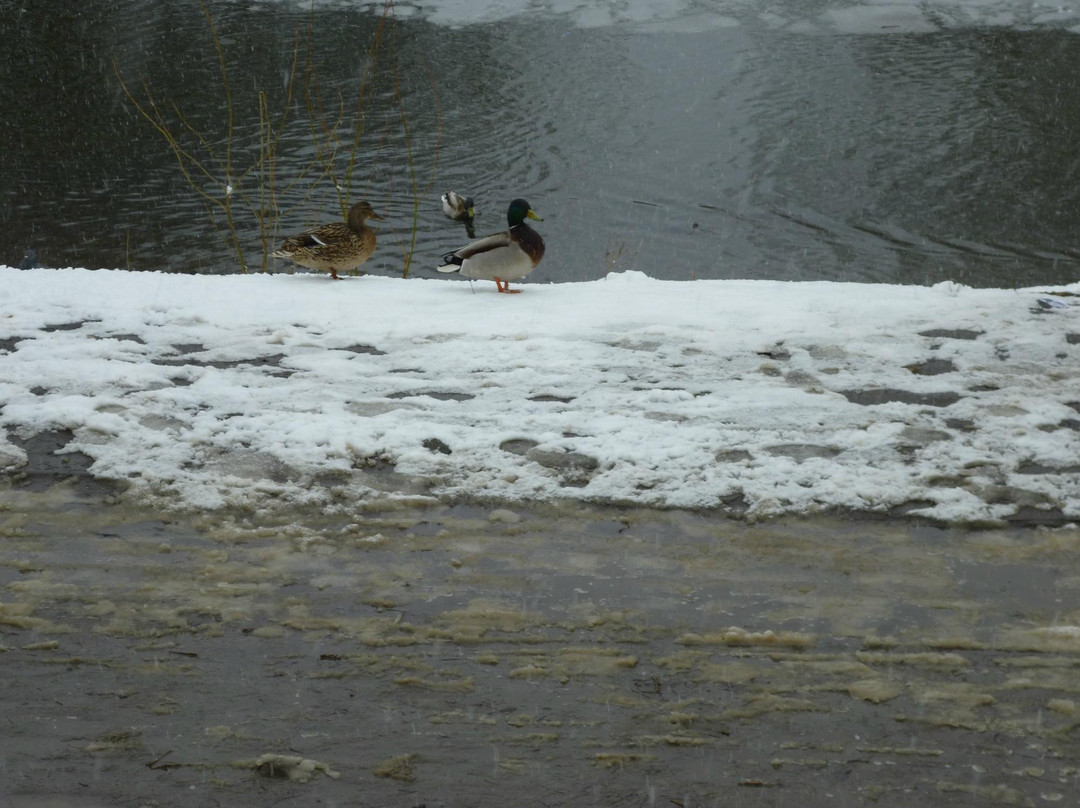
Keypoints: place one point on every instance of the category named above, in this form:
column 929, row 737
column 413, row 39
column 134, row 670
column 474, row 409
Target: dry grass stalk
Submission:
column 337, row 157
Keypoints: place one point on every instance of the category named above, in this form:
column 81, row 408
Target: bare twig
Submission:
column 209, row 163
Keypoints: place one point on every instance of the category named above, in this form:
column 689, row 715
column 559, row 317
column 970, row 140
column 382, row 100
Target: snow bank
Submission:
column 756, row 397
column 689, row 16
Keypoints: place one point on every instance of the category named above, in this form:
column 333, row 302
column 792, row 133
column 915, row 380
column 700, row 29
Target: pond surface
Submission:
column 798, row 141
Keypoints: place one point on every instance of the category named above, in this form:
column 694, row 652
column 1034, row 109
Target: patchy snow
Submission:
column 841, row 16
column 692, row 16
column 756, row 397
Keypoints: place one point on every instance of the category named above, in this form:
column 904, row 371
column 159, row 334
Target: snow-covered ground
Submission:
column 839, row 16
column 756, row 397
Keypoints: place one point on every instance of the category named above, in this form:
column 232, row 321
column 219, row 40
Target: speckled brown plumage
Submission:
column 337, row 246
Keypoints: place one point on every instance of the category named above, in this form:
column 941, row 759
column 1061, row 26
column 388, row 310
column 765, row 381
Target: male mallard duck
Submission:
column 503, row 257
column 339, row 245
column 457, row 207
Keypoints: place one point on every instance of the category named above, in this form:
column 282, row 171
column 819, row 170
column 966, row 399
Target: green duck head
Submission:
column 519, row 211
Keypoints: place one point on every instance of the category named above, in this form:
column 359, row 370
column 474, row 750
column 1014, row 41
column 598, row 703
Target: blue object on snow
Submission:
column 29, row 260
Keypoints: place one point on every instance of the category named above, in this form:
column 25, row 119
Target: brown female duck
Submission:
column 330, row 247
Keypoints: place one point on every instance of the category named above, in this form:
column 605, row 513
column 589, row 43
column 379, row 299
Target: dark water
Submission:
column 733, row 152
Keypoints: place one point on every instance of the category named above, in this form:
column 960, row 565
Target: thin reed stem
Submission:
column 208, row 163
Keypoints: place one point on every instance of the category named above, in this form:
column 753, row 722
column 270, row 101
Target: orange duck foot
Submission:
column 333, row 274
column 504, row 287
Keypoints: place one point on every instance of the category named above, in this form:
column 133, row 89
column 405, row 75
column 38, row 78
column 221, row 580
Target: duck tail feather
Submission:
column 451, row 263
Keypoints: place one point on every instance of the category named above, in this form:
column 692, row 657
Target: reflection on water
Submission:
column 738, row 151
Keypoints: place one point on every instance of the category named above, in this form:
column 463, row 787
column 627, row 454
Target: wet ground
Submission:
column 581, row 656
